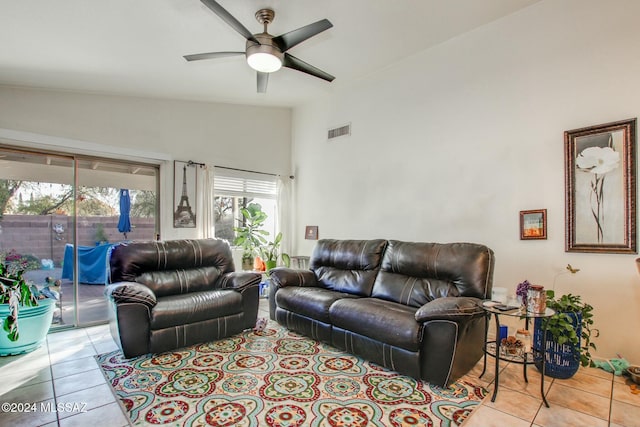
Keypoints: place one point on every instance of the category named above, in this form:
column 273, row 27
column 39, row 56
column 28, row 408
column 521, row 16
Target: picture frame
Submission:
column 311, row 232
column 533, row 224
column 185, row 187
column 600, row 181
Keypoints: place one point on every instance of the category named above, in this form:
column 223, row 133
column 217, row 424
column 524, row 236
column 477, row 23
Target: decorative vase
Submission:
column 561, row 360
column 33, row 324
column 522, row 301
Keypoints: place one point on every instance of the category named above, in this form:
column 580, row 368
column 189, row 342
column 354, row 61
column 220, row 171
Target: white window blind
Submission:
column 244, row 184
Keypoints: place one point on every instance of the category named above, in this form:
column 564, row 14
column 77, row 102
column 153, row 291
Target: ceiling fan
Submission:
column 266, row 53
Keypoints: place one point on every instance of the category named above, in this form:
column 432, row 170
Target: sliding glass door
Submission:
column 63, row 213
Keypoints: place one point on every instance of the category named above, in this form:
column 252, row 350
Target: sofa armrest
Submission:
column 240, row 280
column 283, row 276
column 130, row 292
column 450, row 308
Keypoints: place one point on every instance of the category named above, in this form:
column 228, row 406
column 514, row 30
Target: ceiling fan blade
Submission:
column 229, row 19
column 288, row 40
column 263, row 79
column 294, row 63
column 210, row 55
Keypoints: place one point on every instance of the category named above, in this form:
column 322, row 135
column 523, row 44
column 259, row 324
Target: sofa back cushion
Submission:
column 348, row 266
column 416, row 273
column 171, row 267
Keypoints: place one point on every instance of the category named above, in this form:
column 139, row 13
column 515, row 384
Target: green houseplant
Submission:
column 17, row 297
column 100, row 235
column 270, row 253
column 569, row 335
column 250, row 236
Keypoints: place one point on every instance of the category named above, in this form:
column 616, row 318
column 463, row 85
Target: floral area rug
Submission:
column 277, row 378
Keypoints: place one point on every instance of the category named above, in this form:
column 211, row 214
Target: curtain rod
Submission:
column 192, row 163
column 246, row 170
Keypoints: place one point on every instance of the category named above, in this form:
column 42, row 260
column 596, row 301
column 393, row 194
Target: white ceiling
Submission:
column 135, row 47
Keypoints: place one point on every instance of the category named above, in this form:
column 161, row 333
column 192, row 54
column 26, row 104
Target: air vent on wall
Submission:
column 340, row 131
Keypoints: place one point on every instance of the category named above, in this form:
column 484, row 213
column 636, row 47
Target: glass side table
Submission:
column 492, row 348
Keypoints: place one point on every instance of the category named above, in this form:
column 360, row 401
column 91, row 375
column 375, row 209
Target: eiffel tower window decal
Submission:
column 184, row 194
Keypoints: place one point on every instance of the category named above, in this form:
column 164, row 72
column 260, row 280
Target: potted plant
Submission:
column 569, row 335
column 270, row 253
column 251, row 236
column 100, row 235
column 19, row 301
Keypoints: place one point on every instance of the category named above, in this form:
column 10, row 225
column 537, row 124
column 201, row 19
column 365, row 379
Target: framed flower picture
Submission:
column 600, row 181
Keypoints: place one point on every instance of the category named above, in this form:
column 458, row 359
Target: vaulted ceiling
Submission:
column 136, row 48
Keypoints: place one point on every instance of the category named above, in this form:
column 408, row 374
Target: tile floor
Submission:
column 591, row 398
column 63, row 374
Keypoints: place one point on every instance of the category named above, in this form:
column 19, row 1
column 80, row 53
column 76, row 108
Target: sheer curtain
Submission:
column 283, row 221
column 206, row 227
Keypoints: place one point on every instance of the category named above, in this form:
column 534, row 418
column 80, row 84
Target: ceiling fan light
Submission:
column 264, row 62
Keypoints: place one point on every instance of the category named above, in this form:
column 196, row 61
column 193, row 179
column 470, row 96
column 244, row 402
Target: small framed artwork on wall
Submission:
column 311, row 232
column 533, row 224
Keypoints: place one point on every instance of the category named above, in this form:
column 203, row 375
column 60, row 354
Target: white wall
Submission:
column 253, row 138
column 450, row 144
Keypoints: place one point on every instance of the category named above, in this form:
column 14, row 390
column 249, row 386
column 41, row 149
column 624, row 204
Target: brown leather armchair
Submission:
column 172, row 294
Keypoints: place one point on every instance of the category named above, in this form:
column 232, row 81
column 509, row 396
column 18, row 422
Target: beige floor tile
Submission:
column 86, row 400
column 31, row 393
column 621, row 379
column 72, row 367
column 559, row 416
column 579, row 400
column 105, row 416
column 484, row 416
column 72, row 352
column 512, row 377
column 593, row 384
column 100, row 338
column 37, row 358
column 36, row 417
column 15, row 379
column 67, row 335
column 624, row 414
column 105, row 347
column 77, row 382
column 515, row 403
column 99, row 330
column 596, row 372
column 479, row 366
column 622, row 393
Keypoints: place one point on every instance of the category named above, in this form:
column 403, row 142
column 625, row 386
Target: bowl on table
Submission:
column 634, row 373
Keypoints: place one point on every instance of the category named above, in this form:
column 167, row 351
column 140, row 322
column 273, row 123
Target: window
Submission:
column 235, row 190
column 53, row 205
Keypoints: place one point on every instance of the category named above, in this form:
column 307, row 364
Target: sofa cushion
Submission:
column 409, row 290
column 416, row 273
column 188, row 264
column 194, row 307
column 172, row 282
column 388, row 322
column 347, row 265
column 309, row 302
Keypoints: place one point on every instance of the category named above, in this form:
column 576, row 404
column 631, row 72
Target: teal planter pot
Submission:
column 33, row 324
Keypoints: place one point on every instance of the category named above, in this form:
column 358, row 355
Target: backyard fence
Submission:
column 45, row 236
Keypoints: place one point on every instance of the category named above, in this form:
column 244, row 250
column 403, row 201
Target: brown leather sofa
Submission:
column 172, row 294
column 411, row 307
